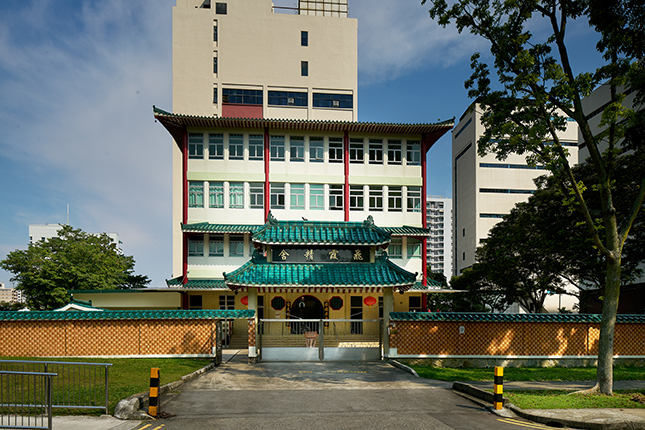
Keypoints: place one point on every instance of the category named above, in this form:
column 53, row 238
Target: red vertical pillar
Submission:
column 184, row 216
column 346, row 164
column 267, row 188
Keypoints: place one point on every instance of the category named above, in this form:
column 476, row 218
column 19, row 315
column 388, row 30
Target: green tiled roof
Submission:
column 381, row 273
column 529, row 318
column 276, row 232
column 431, row 284
column 205, row 227
column 201, row 284
column 407, row 230
column 125, row 315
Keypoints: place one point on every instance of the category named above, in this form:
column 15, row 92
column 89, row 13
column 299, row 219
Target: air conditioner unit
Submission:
column 225, row 98
column 335, row 103
column 291, row 101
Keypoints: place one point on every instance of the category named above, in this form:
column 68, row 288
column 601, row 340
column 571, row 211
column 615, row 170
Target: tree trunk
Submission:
column 605, row 372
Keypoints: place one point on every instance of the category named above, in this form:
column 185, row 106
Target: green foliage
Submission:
column 537, row 91
column 75, row 260
column 11, row 306
column 558, row 399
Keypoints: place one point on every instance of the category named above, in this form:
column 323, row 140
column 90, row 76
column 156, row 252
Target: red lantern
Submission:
column 245, row 300
column 369, row 301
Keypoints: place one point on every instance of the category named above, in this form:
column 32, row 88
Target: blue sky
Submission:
column 78, row 80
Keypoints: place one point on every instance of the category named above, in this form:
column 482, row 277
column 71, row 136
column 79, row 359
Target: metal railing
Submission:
column 26, row 400
column 338, row 333
column 77, row 385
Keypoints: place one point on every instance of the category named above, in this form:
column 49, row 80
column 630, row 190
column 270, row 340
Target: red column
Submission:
column 346, row 163
column 267, row 188
column 184, row 216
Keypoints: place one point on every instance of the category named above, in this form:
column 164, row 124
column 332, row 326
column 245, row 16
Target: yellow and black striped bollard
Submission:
column 498, row 401
column 154, row 392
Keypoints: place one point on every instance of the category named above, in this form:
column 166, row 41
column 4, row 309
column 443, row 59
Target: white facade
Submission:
column 9, row 295
column 439, row 221
column 484, row 188
column 38, row 232
column 242, row 59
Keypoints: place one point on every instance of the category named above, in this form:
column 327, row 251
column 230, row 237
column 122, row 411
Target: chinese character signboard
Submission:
column 355, row 254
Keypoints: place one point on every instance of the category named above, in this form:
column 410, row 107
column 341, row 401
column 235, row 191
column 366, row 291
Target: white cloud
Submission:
column 396, row 38
column 77, row 116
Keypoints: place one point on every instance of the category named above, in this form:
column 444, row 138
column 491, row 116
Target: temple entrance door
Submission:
column 306, row 308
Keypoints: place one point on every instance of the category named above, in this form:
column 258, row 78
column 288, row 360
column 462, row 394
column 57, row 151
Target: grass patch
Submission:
column 621, row 373
column 128, row 376
column 553, row 399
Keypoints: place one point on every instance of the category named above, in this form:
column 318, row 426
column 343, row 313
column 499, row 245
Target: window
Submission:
column 216, row 246
column 220, row 8
column 304, row 68
column 236, row 246
column 277, row 196
column 216, row 146
column 356, row 198
column 413, row 153
column 195, row 248
column 236, row 147
column 246, row 97
column 256, row 192
column 216, row 195
column 414, row 199
column 414, row 304
column 195, row 302
column 297, row 196
column 195, row 146
column 316, row 150
column 376, row 151
column 335, row 149
column 215, row 31
column 215, row 64
column 277, row 148
column 195, row 194
column 336, row 197
column 226, row 302
column 316, row 197
column 356, row 151
column 304, row 38
column 394, row 152
column 236, row 195
column 215, row 95
column 394, row 199
column 376, row 198
column 414, row 248
column 297, row 148
column 287, row 98
column 342, row 101
column 395, row 249
column 256, row 147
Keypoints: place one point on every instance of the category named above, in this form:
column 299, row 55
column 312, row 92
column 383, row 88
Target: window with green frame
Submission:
column 195, row 194
column 236, row 195
column 216, row 195
column 413, row 247
column 317, row 197
column 195, row 247
column 216, row 246
column 297, row 196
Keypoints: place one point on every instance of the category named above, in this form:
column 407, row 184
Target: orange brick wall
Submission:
column 432, row 338
column 106, row 337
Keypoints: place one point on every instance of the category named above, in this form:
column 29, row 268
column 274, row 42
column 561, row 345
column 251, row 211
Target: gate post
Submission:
column 321, row 341
column 388, row 306
column 253, row 323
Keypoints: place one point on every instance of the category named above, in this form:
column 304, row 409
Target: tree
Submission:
column 539, row 91
column 75, row 260
column 11, row 306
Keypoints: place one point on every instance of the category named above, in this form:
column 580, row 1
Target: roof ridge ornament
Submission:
column 369, row 221
column 271, row 219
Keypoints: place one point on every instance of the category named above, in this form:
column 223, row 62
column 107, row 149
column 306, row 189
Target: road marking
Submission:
column 144, row 427
column 524, row 423
column 157, row 428
column 334, row 371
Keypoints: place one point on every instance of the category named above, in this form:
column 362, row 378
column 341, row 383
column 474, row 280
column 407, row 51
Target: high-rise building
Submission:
column 484, row 188
column 439, row 221
column 274, row 178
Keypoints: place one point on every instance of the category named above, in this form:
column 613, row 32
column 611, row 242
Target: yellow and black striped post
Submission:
column 498, row 401
column 154, row 392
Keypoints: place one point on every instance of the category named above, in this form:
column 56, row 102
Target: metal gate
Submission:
column 320, row 340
